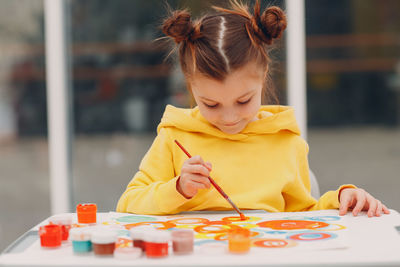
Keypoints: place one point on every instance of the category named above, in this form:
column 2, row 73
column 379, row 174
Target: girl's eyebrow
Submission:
column 207, row 99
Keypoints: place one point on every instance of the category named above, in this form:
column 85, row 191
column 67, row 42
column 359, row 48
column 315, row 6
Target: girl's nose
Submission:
column 229, row 117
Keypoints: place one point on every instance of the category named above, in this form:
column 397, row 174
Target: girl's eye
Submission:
column 211, row 106
column 244, row 102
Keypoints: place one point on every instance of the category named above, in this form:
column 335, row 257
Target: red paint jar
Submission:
column 182, row 241
column 103, row 242
column 138, row 233
column 157, row 243
column 50, row 235
column 65, row 221
column 86, row 213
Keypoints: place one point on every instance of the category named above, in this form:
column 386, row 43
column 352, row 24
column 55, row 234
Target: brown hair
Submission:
column 216, row 45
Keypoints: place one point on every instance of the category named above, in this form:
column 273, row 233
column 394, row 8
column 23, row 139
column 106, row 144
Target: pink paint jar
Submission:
column 157, row 243
column 182, row 241
column 65, row 221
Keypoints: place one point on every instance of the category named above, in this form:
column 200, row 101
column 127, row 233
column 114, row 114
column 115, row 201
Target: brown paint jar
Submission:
column 103, row 242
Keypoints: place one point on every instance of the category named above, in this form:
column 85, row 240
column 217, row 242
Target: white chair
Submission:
column 314, row 186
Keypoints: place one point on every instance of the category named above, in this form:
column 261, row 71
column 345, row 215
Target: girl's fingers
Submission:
column 200, row 179
column 373, row 204
column 378, row 208
column 208, row 165
column 196, row 160
column 198, row 169
column 344, row 205
column 361, row 199
column 385, row 209
column 197, row 185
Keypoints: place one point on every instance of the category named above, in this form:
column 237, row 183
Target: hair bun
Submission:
column 274, row 21
column 270, row 25
column 178, row 26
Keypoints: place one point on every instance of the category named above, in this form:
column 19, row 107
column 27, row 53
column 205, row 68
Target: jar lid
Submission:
column 182, row 234
column 139, row 232
column 64, row 219
column 80, row 234
column 86, row 207
column 157, row 236
column 127, row 253
column 103, row 236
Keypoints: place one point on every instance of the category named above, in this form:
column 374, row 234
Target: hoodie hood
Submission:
column 271, row 119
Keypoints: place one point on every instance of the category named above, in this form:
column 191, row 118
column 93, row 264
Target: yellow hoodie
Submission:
column 263, row 167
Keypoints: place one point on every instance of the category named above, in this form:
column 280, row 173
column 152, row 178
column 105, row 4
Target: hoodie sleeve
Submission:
column 153, row 188
column 297, row 192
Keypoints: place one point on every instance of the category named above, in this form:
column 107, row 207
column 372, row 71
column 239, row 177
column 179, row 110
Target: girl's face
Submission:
column 230, row 104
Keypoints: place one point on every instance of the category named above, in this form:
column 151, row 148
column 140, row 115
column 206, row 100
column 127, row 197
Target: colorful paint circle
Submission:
column 292, row 224
column 159, row 225
column 204, row 236
column 246, row 225
column 219, row 222
column 235, row 219
column 134, row 219
column 332, row 227
column 311, row 236
column 273, row 243
column 189, row 221
column 325, row 218
column 215, row 228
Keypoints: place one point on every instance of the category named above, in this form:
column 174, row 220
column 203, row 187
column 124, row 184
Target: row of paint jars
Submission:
column 146, row 240
column 155, row 243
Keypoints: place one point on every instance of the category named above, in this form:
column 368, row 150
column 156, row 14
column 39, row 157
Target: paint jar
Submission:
column 81, row 240
column 157, row 243
column 182, row 241
column 65, row 221
column 86, row 213
column 103, row 241
column 138, row 233
column 127, row 253
column 239, row 240
column 50, row 235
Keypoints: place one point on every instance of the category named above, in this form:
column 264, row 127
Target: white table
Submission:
column 366, row 242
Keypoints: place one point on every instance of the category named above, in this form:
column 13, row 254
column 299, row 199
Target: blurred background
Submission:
column 120, row 84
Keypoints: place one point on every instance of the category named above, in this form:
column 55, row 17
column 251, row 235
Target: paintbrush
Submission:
column 219, row 189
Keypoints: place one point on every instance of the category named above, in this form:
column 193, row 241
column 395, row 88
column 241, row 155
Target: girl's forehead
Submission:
column 249, row 75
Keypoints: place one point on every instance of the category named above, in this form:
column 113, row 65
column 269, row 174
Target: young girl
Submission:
column 258, row 157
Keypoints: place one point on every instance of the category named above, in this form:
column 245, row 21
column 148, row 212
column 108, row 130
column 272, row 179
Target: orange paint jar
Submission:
column 86, row 213
column 239, row 240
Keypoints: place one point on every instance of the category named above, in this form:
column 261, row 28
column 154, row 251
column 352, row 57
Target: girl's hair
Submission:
column 216, row 45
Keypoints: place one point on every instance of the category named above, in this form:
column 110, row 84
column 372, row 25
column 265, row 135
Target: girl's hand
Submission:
column 194, row 176
column 358, row 199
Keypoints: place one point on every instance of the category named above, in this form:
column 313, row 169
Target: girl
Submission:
column 258, row 156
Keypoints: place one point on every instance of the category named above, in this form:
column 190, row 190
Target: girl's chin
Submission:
column 233, row 130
